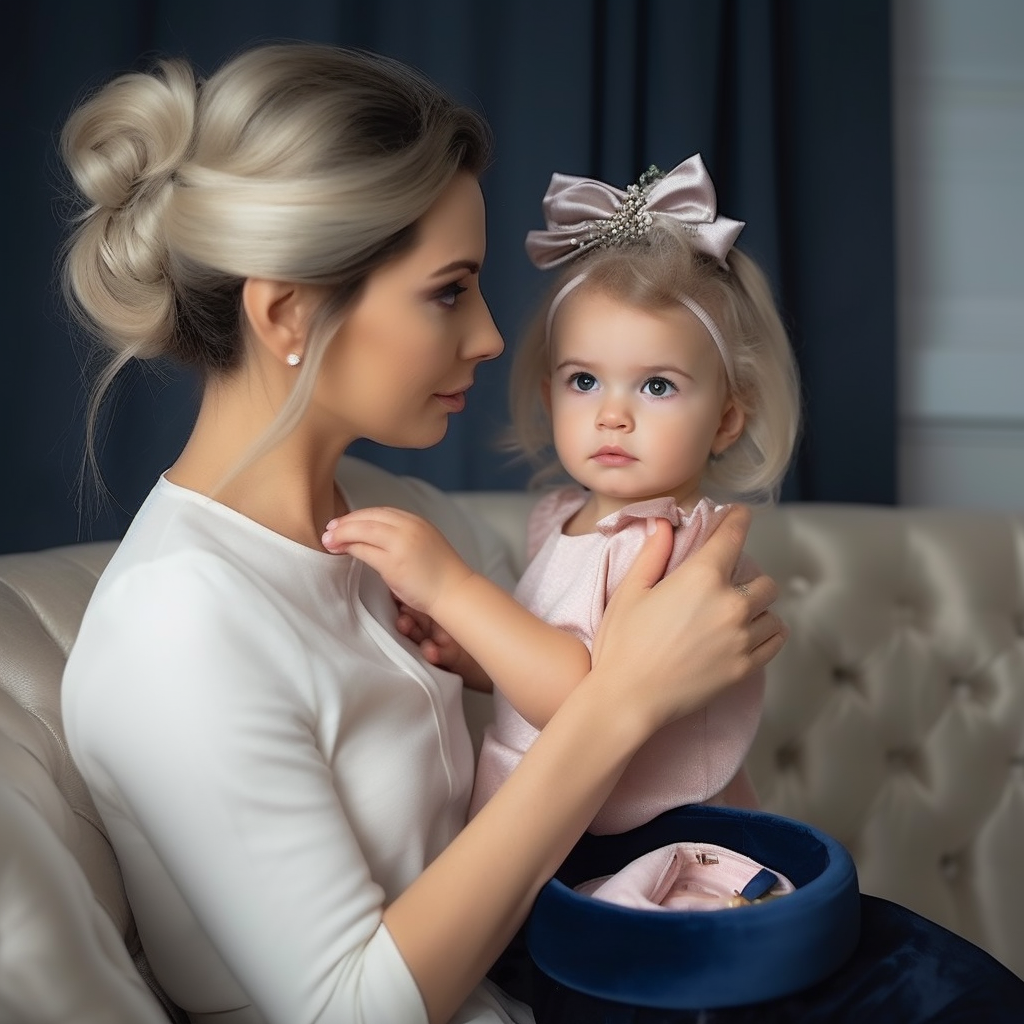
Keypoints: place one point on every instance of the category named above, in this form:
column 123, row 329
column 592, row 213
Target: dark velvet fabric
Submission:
column 824, row 953
column 905, row 970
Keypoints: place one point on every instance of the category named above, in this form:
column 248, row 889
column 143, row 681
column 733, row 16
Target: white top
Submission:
column 273, row 762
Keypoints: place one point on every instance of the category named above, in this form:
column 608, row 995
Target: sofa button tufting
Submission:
column 904, row 614
column 787, row 756
column 951, row 867
column 902, row 759
column 962, row 687
column 843, row 675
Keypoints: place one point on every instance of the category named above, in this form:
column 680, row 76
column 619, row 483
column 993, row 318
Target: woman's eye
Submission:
column 450, row 293
column 583, row 382
column 658, row 387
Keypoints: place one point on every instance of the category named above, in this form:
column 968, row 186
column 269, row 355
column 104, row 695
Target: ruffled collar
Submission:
column 657, row 508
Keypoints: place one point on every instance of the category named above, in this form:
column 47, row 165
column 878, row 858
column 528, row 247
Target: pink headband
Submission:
column 695, row 308
column 582, row 214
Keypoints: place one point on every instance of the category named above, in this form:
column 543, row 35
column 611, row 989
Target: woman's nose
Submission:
column 484, row 341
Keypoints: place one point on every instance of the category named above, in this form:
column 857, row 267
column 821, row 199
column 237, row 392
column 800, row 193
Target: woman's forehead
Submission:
column 453, row 230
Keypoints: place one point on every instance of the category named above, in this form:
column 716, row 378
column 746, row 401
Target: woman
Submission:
column 284, row 780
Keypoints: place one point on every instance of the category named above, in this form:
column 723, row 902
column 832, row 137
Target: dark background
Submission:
column 788, row 101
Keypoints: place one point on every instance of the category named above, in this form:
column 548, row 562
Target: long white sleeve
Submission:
column 273, row 763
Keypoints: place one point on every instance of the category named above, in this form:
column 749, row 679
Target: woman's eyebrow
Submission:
column 471, row 265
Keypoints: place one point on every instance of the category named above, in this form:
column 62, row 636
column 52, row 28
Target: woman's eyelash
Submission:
column 448, row 295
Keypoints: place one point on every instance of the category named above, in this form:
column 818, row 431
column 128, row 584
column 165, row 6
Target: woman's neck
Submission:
column 290, row 489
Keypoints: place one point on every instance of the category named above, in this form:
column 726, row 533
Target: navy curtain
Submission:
column 787, row 100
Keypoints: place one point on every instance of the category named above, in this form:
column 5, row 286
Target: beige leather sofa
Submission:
column 894, row 720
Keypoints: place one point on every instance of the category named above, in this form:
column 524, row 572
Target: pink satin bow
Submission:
column 574, row 207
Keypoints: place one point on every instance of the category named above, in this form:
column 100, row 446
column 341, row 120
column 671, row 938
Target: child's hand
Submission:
column 412, row 556
column 439, row 648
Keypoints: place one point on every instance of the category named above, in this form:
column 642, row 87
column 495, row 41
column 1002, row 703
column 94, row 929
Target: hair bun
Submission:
column 131, row 136
column 122, row 146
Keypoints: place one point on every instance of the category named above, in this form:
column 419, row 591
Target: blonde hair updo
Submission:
column 294, row 162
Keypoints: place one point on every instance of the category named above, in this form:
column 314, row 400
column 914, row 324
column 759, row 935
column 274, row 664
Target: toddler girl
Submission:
column 660, row 371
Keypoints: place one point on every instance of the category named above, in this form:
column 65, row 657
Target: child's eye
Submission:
column 450, row 294
column 658, row 387
column 583, row 382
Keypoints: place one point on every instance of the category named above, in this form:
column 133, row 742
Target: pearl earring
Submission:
column 293, row 359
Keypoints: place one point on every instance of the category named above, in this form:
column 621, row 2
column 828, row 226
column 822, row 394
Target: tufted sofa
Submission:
column 894, row 720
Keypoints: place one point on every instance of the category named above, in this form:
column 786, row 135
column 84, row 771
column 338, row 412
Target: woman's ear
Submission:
column 734, row 419
column 278, row 315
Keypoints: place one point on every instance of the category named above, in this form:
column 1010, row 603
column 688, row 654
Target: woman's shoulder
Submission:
column 173, row 621
column 176, row 538
column 188, row 567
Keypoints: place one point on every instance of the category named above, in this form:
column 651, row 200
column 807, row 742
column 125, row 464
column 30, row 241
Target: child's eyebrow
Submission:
column 574, row 362
column 648, row 371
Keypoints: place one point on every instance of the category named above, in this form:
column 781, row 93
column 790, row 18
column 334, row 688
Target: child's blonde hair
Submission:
column 653, row 274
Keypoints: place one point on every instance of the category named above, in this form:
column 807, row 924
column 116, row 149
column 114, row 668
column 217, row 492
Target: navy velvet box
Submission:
column 701, row 959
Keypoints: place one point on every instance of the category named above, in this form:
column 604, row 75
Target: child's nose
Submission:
column 614, row 414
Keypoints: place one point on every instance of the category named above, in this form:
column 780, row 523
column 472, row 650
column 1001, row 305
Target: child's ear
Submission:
column 278, row 314
column 545, row 394
column 734, row 419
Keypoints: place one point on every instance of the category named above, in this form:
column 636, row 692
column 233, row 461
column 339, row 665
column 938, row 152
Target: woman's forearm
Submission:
column 455, row 919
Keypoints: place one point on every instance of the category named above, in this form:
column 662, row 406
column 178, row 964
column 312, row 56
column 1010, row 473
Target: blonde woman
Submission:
column 284, row 779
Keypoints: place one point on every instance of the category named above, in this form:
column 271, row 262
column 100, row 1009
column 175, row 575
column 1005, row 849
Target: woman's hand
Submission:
column 671, row 643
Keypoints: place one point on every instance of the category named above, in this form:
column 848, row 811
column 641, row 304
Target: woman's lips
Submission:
column 610, row 456
column 453, row 402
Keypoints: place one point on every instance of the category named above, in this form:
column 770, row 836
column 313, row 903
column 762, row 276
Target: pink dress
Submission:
column 568, row 583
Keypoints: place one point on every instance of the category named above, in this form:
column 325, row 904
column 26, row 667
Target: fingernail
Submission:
column 326, row 539
column 652, row 526
column 331, row 525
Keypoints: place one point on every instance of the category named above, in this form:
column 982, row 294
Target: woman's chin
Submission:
column 425, row 436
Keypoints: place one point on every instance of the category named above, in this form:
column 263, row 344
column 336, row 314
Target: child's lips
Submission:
column 612, row 455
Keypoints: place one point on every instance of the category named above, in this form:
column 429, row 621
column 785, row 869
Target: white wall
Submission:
column 958, row 79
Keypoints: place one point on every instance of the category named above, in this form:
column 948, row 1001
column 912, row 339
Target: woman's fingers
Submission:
column 674, row 643
column 649, row 566
column 723, row 548
column 758, row 593
column 768, row 636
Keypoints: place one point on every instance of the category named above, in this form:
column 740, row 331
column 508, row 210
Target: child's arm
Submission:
column 535, row 665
